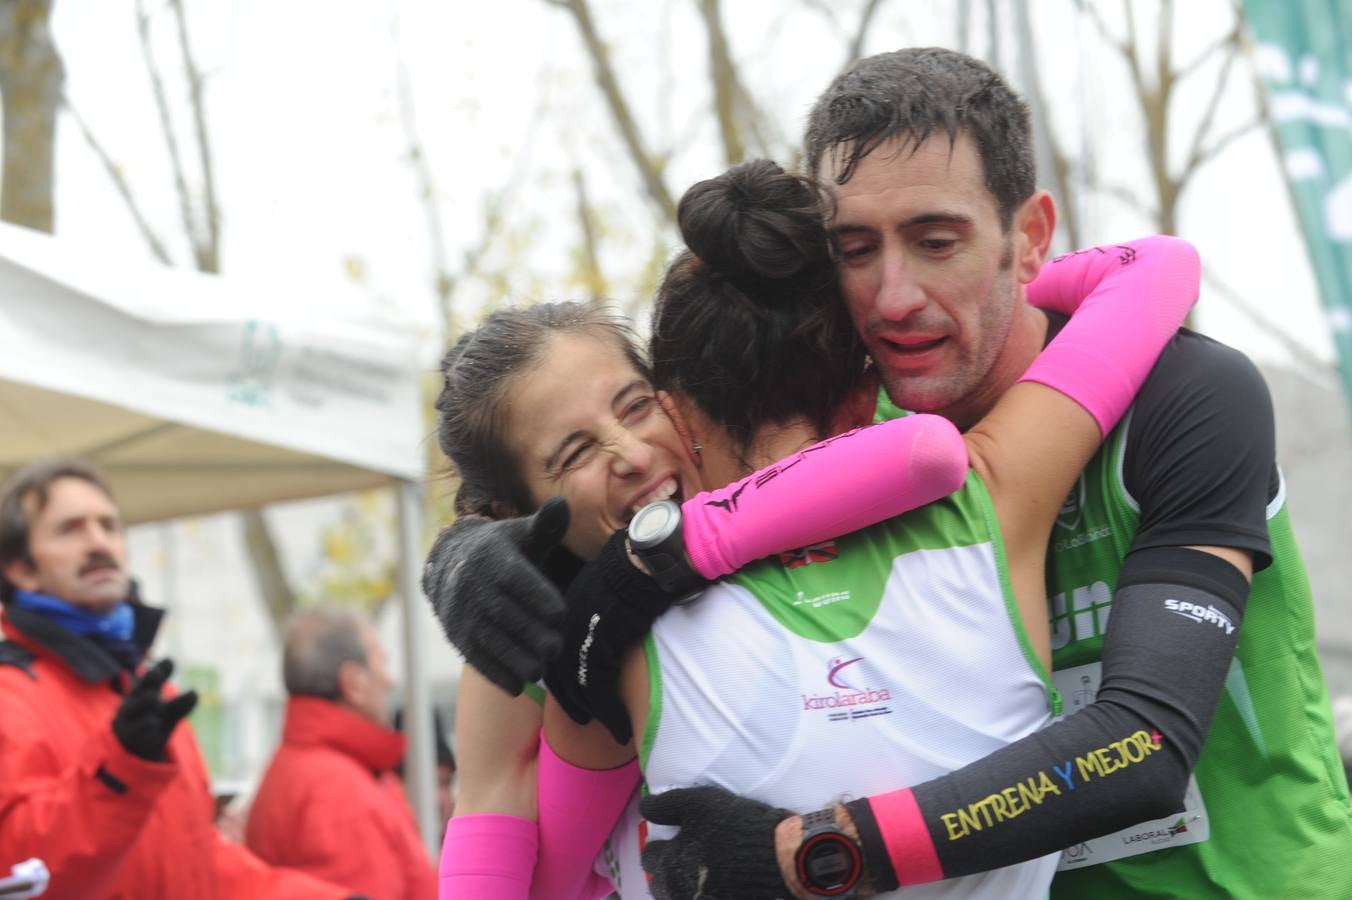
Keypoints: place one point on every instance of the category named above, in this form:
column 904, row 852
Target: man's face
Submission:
column 927, row 270
column 366, row 688
column 78, row 548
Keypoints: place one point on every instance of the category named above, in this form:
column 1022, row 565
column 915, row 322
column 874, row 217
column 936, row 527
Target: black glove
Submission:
column 725, row 849
column 611, row 606
column 144, row 722
column 486, row 588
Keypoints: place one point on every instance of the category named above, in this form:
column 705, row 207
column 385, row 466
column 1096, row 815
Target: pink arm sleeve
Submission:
column 1135, row 297
column 838, row 486
column 487, row 855
column 578, row 810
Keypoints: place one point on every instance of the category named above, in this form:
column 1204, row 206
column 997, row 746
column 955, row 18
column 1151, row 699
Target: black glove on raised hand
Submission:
column 725, row 849
column 611, row 606
column 144, row 722
column 483, row 578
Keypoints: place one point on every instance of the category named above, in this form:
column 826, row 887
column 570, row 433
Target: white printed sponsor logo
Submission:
column 1199, row 613
column 821, row 600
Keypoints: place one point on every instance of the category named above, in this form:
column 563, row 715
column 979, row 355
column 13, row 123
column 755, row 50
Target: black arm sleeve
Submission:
column 1125, row 758
column 1200, row 463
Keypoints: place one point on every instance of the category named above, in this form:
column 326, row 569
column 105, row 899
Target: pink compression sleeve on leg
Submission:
column 838, row 486
column 487, row 856
column 1127, row 301
column 578, row 810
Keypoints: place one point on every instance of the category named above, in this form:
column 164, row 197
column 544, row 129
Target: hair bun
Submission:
column 755, row 222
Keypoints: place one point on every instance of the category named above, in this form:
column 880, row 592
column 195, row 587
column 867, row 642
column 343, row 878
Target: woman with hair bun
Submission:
column 864, row 663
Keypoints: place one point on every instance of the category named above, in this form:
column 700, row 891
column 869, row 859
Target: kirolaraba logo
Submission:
column 812, row 553
column 850, row 700
column 835, row 672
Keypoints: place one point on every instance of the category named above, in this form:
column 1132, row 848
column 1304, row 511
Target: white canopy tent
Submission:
column 197, row 394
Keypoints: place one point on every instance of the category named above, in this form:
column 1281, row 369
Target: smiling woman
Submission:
column 603, row 444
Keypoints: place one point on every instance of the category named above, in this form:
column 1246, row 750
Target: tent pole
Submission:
column 418, row 775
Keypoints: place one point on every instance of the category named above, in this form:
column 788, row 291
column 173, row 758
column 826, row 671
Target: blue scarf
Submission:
column 116, row 624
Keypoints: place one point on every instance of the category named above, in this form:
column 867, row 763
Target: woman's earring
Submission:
column 696, row 447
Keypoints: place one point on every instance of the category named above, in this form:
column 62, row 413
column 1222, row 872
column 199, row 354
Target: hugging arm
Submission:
column 1023, row 474
column 1200, row 460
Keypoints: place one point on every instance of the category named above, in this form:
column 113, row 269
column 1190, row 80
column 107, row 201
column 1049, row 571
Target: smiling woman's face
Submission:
column 584, row 425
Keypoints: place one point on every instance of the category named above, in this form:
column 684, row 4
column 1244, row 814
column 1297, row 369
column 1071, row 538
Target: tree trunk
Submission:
column 269, row 576
column 31, row 78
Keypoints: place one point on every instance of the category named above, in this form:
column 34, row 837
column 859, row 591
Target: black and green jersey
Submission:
column 1269, row 774
column 1190, row 466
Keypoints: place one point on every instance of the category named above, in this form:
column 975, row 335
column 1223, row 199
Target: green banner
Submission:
column 1304, row 53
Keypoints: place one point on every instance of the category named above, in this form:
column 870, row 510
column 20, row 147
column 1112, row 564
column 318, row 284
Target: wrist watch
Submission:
column 655, row 537
column 829, row 862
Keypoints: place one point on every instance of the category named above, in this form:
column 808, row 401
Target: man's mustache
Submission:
column 99, row 561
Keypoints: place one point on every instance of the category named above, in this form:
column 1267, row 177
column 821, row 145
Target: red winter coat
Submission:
column 109, row 824
column 329, row 805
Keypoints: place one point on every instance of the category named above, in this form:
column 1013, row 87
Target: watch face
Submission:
column 829, row 864
column 653, row 522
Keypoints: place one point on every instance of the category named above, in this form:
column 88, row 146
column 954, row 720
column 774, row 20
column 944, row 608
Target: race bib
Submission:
column 1078, row 686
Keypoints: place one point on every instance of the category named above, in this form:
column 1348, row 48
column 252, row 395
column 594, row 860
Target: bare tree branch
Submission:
column 269, row 574
column 123, row 188
column 1211, row 50
column 1208, row 115
column 442, row 280
column 31, row 79
column 828, row 12
column 1128, row 197
column 1051, row 158
column 1164, row 50
column 723, row 76
column 1226, row 139
column 591, row 259
column 856, row 50
column 1101, row 25
column 993, row 34
column 167, row 128
column 650, row 169
column 208, row 251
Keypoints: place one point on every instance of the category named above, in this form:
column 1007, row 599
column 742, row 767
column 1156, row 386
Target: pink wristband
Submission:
column 487, row 857
column 909, row 846
column 1135, row 297
column 838, row 486
column 578, row 811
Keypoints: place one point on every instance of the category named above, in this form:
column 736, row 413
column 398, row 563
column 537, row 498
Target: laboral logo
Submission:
column 851, row 696
column 812, row 553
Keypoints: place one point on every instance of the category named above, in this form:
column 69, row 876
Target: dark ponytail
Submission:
column 749, row 322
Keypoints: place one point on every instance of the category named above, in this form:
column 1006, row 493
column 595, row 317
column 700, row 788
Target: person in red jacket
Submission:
column 100, row 777
column 331, row 803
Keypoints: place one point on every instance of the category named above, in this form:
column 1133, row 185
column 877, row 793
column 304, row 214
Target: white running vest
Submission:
column 880, row 660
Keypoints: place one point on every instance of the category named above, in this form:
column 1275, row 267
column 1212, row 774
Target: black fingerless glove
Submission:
column 725, row 848
column 143, row 722
column 611, row 605
column 484, row 581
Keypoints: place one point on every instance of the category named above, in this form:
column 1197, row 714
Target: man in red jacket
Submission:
column 330, row 803
column 99, row 776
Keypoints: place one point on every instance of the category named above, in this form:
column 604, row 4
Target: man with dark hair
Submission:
column 1206, row 764
column 331, row 803
column 99, row 775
